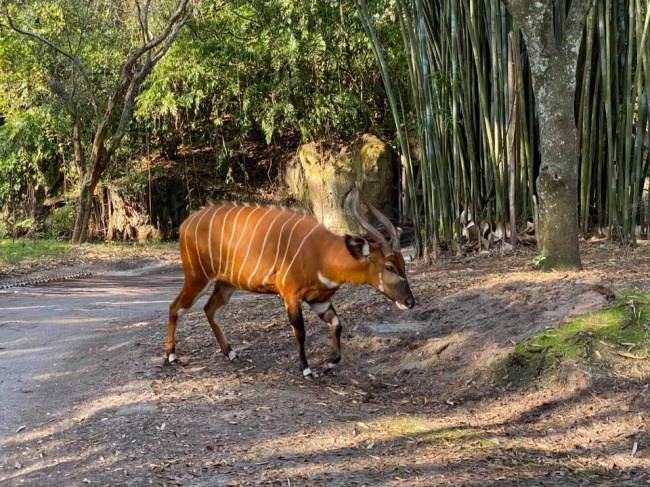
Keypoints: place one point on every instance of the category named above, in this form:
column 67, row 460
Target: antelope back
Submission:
column 258, row 248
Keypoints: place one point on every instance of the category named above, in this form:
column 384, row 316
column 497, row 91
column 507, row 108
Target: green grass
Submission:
column 594, row 339
column 19, row 251
column 29, row 251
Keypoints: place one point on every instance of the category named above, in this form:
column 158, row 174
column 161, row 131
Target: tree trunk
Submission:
column 557, row 183
column 89, row 182
column 79, row 155
column 553, row 68
column 80, row 233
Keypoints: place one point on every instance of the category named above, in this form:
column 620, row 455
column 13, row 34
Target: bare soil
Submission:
column 417, row 407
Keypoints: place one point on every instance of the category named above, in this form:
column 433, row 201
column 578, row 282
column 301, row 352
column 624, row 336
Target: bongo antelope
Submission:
column 267, row 249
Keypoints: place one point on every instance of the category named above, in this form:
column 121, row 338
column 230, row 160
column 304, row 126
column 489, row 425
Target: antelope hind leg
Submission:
column 213, row 308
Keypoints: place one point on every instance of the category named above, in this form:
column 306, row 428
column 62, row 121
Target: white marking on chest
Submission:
column 329, row 284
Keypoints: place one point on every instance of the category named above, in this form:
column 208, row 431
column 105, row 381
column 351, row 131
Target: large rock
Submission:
column 322, row 180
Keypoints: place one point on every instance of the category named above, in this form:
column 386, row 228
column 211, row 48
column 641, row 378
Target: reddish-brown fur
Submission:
column 270, row 250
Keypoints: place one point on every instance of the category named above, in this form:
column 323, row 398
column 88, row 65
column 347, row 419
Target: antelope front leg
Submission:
column 327, row 313
column 295, row 317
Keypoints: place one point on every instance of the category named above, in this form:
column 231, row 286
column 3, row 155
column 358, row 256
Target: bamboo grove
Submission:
column 467, row 125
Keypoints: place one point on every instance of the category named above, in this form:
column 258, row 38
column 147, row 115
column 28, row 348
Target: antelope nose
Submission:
column 410, row 302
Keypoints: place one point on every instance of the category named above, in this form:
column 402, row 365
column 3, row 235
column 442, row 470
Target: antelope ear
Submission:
column 358, row 247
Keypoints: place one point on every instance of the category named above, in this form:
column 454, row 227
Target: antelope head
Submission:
column 386, row 269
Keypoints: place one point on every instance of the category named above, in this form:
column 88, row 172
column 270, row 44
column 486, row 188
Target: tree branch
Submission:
column 53, row 46
column 126, row 79
column 575, row 22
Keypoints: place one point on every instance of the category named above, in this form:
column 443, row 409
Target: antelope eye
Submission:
column 391, row 268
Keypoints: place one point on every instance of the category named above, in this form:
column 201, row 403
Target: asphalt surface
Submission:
column 47, row 333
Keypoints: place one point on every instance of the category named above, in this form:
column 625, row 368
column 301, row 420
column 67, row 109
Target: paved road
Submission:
column 45, row 332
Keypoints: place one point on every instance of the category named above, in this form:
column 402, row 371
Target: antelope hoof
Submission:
column 331, row 367
column 170, row 359
column 232, row 355
column 308, row 374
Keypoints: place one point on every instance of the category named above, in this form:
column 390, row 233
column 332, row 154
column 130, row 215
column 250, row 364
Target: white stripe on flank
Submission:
column 295, row 256
column 232, row 236
column 261, row 252
column 286, row 250
column 251, row 239
column 210, row 237
column 277, row 251
column 191, row 219
column 196, row 241
column 223, row 227
column 241, row 236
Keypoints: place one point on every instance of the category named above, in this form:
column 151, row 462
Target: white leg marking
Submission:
column 331, row 365
column 232, row 355
column 335, row 322
column 223, row 227
column 241, row 236
column 210, row 237
column 172, row 358
column 306, row 372
column 277, row 251
column 250, row 243
column 320, row 308
column 328, row 283
column 196, row 241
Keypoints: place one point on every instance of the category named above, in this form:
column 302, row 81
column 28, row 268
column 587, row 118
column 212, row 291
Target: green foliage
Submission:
column 274, row 68
column 60, row 221
column 539, row 259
